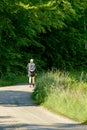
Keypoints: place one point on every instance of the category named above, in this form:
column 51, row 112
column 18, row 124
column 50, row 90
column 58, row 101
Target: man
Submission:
column 31, row 67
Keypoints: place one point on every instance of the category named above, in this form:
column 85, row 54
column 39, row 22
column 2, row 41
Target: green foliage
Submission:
column 42, row 91
column 52, row 32
column 63, row 93
column 13, row 79
column 47, row 82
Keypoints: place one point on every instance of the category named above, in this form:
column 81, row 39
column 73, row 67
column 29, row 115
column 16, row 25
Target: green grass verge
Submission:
column 12, row 80
column 63, row 93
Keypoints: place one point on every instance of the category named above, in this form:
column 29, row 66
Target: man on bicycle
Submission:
column 31, row 67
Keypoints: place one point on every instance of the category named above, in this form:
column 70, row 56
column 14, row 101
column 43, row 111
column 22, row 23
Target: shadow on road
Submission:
column 16, row 98
column 58, row 126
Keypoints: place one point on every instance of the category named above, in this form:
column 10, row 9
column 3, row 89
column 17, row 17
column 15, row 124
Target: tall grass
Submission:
column 63, row 93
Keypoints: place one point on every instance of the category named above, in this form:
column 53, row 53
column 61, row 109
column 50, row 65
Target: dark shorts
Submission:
column 32, row 74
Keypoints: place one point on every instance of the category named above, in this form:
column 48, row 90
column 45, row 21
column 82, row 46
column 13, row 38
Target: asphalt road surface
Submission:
column 19, row 112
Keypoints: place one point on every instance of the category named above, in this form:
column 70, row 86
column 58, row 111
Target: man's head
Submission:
column 31, row 60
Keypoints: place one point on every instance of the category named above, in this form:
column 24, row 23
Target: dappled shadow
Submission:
column 6, row 123
column 4, row 117
column 58, row 126
column 16, row 98
column 11, row 98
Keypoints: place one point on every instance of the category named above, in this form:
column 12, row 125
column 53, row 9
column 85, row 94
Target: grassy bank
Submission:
column 63, row 93
column 13, row 79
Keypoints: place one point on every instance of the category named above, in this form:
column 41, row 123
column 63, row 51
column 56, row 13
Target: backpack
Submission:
column 31, row 67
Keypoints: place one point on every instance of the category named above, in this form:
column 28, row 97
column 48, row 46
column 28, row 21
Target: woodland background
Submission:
column 53, row 32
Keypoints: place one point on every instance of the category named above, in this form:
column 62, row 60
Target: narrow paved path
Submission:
column 19, row 112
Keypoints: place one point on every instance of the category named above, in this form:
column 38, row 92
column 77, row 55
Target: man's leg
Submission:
column 33, row 80
column 29, row 79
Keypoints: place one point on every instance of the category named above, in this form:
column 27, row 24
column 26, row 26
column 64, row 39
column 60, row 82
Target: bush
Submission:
column 44, row 84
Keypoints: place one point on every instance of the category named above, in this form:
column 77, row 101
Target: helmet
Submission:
column 31, row 60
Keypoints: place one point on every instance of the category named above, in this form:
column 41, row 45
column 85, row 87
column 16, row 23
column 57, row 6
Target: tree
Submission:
column 38, row 29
